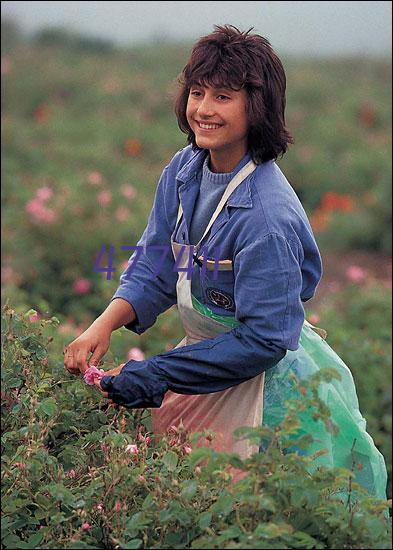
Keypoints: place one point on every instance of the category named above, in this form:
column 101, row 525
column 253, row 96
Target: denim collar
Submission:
column 189, row 175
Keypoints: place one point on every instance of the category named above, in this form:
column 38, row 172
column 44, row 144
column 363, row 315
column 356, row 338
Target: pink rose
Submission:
column 48, row 216
column 187, row 449
column 34, row 318
column 94, row 178
column 6, row 65
column 104, row 198
column 355, row 274
column 8, row 275
column 81, row 286
column 92, row 373
column 71, row 474
column 44, row 193
column 141, row 478
column 132, row 449
column 86, row 526
column 122, row 214
column 314, row 319
column 128, row 191
column 117, row 506
column 39, row 212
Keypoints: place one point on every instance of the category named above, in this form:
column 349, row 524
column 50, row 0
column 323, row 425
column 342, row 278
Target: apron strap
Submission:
column 232, row 185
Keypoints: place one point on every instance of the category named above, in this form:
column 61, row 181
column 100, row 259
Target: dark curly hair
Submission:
column 229, row 58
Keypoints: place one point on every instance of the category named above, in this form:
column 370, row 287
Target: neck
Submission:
column 224, row 162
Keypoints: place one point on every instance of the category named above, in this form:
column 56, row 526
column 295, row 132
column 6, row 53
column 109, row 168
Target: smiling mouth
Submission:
column 206, row 126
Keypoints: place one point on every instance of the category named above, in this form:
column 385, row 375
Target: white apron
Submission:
column 219, row 412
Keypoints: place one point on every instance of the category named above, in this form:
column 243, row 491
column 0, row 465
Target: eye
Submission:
column 195, row 93
column 224, row 96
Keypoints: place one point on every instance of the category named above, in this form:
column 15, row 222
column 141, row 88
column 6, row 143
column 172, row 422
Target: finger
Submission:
column 97, row 355
column 69, row 362
column 80, row 361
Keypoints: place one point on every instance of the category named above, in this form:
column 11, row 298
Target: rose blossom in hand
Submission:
column 92, row 373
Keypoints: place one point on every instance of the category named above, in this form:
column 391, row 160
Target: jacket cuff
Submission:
column 140, row 384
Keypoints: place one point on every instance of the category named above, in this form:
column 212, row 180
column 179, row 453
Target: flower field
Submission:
column 86, row 131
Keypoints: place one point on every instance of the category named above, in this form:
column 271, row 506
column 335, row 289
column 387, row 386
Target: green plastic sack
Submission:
column 340, row 396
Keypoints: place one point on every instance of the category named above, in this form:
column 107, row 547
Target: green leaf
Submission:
column 74, row 544
column 198, row 455
column 267, row 503
column 167, row 514
column 189, row 488
column 236, row 461
column 135, row 543
column 170, row 460
column 48, row 406
column 172, row 540
column 11, row 541
column 13, row 383
column 8, row 525
column 30, row 313
column 205, row 520
column 223, row 505
column 119, row 440
column 61, row 493
column 138, row 522
column 16, row 504
column 43, row 501
column 147, row 502
column 32, row 541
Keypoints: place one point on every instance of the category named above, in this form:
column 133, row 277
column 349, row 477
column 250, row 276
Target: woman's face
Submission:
column 218, row 118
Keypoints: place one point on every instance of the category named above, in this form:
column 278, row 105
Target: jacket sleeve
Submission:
column 268, row 284
column 151, row 293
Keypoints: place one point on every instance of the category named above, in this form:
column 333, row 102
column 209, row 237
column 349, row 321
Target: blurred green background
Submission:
column 87, row 129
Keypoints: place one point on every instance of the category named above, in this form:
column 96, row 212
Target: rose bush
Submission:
column 78, row 473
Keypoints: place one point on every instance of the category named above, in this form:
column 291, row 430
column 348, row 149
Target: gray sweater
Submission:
column 211, row 190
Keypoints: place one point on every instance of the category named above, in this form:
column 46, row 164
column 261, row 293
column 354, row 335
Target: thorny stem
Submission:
column 349, row 504
column 239, row 521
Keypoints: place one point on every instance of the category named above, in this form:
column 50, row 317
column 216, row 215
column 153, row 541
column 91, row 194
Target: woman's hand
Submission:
column 95, row 339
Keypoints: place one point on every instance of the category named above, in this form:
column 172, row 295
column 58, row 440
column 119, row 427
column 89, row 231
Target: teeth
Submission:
column 209, row 126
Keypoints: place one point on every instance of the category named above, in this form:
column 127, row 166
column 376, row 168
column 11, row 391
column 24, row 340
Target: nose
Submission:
column 205, row 108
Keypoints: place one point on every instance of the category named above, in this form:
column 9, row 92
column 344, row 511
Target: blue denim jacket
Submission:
column 264, row 230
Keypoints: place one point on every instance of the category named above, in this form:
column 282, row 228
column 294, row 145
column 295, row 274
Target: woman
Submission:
column 243, row 260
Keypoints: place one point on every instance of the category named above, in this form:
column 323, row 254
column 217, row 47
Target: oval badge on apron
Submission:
column 220, row 298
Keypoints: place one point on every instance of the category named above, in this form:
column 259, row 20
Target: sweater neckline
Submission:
column 218, row 178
